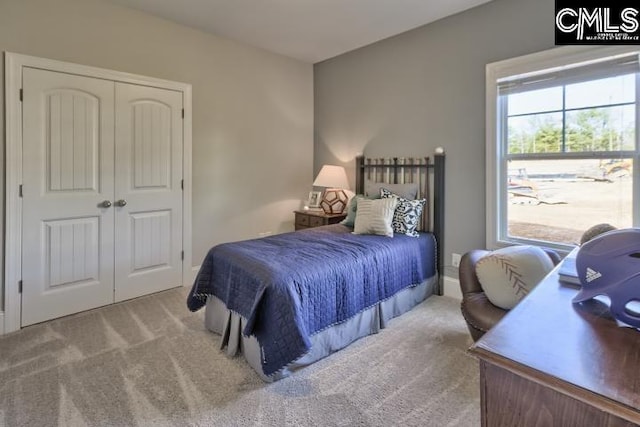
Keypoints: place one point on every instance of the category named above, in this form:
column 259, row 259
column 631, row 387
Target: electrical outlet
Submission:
column 455, row 260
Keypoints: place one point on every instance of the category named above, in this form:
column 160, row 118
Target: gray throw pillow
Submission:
column 408, row 191
column 352, row 208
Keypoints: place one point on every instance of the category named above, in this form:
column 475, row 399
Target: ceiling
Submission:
column 308, row 30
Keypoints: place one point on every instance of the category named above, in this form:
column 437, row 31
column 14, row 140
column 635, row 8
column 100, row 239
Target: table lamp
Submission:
column 334, row 179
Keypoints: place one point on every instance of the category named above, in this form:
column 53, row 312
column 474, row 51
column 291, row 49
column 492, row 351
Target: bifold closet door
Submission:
column 148, row 199
column 68, row 187
column 102, row 192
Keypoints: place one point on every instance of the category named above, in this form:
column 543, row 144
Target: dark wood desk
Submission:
column 550, row 363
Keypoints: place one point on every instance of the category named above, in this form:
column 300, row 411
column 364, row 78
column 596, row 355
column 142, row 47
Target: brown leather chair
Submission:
column 476, row 308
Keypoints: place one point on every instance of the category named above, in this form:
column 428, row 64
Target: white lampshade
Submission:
column 331, row 176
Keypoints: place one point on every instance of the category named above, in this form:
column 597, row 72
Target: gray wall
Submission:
column 406, row 95
column 252, row 110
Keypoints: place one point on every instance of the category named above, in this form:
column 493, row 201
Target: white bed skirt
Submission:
column 229, row 325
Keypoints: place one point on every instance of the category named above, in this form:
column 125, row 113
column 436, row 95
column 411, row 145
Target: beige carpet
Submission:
column 151, row 362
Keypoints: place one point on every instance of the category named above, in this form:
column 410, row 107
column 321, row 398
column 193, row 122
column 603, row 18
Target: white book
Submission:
column 568, row 272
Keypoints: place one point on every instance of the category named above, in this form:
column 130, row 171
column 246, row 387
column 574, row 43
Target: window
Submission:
column 562, row 145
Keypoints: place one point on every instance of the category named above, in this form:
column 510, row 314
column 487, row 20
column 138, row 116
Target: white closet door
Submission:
column 148, row 199
column 68, row 146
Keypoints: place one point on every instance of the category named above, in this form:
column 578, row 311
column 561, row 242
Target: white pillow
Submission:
column 375, row 216
column 507, row 275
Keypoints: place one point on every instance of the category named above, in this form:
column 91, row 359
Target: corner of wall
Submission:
column 194, row 273
column 452, row 288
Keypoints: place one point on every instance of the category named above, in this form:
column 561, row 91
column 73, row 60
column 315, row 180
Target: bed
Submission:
column 288, row 300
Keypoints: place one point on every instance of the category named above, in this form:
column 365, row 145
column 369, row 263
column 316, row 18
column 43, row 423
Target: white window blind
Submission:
column 574, row 73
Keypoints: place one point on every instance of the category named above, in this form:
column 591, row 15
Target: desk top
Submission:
column 576, row 349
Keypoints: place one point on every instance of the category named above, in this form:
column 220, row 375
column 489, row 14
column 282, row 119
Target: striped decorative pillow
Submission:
column 375, row 216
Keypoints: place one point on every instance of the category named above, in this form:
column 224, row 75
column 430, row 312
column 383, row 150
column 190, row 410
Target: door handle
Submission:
column 121, row 203
column 105, row 204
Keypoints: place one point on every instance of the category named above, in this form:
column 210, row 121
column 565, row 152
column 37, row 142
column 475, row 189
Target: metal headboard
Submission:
column 430, row 179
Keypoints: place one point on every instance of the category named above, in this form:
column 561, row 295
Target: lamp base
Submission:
column 334, row 201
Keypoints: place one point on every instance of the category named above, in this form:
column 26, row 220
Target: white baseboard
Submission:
column 194, row 273
column 451, row 288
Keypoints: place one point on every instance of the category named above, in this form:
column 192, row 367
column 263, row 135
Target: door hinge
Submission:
column 21, row 94
column 182, row 184
column 182, row 255
column 20, row 286
column 183, row 113
column 20, row 190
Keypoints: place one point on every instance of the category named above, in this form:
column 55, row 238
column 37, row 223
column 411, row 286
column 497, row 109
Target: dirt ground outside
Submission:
column 560, row 210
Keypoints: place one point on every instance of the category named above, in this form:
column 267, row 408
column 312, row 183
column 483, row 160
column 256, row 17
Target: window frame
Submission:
column 496, row 157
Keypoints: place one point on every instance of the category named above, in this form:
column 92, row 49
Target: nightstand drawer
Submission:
column 302, row 220
column 316, row 221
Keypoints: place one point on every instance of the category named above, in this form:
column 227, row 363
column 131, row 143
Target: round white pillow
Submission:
column 507, row 275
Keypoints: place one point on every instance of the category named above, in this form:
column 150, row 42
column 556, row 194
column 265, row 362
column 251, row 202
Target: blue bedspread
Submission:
column 290, row 286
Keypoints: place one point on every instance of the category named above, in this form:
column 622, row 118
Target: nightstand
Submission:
column 310, row 219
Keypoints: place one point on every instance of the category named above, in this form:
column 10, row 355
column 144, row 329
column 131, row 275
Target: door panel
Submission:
column 151, row 241
column 72, row 256
column 148, row 178
column 151, row 145
column 72, row 126
column 68, row 167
